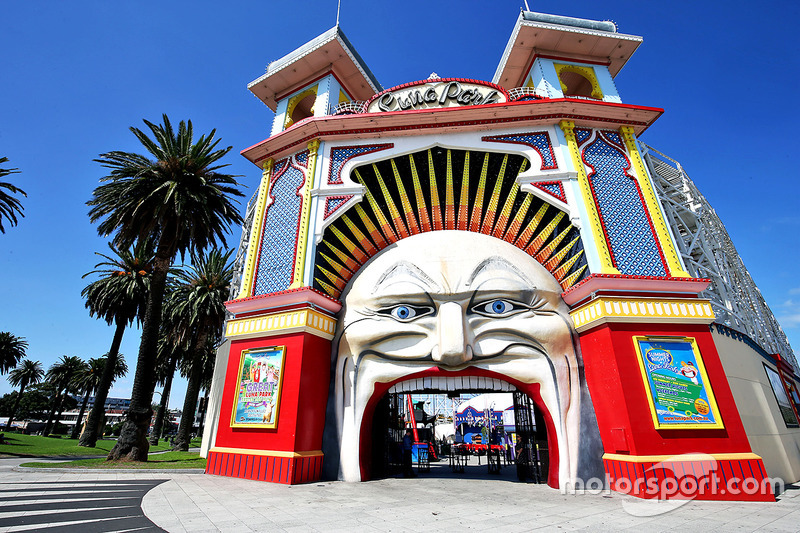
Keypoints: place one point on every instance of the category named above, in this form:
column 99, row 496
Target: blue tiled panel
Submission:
column 631, row 239
column 556, row 189
column 276, row 260
column 582, row 135
column 340, row 156
column 538, row 141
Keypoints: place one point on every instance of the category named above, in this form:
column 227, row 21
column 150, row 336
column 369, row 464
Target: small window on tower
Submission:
column 578, row 81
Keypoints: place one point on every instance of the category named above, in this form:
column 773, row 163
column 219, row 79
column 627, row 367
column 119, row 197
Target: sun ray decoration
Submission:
column 489, row 201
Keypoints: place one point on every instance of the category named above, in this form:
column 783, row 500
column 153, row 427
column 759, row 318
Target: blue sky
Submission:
column 76, row 75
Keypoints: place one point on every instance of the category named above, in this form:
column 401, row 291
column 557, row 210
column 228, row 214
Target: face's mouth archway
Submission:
column 455, row 306
column 436, row 380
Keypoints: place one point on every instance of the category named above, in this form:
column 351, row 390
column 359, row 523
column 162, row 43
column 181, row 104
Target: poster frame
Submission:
column 712, row 402
column 278, row 388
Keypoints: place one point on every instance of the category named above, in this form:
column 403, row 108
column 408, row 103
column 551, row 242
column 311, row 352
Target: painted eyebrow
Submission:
column 502, row 264
column 404, row 267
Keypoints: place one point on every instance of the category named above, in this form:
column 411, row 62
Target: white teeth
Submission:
column 454, row 383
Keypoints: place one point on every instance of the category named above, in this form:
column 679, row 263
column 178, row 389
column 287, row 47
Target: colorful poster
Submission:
column 259, row 388
column 678, row 389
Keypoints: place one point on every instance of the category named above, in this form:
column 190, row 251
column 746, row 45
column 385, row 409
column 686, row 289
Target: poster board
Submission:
column 784, row 403
column 678, row 390
column 258, row 388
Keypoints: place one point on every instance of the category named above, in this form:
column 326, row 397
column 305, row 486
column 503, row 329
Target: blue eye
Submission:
column 403, row 312
column 497, row 308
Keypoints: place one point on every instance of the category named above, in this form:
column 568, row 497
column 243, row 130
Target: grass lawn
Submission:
column 158, row 460
column 19, row 445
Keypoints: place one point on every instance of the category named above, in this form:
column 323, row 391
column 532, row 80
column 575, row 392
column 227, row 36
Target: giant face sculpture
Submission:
column 447, row 304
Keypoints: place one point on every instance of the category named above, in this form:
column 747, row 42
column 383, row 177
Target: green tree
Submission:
column 10, row 207
column 88, row 380
column 12, row 351
column 26, row 373
column 118, row 297
column 34, row 404
column 178, row 197
column 200, row 297
column 62, row 374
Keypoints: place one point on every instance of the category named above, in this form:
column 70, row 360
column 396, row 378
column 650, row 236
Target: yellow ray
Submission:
column 533, row 225
column 363, row 240
column 516, row 224
column 505, row 214
column 397, row 220
column 449, row 196
column 407, row 210
column 561, row 272
column 339, row 269
column 537, row 243
column 570, row 280
column 463, row 203
column 383, row 222
column 374, row 233
column 336, row 280
column 350, row 246
column 477, row 207
column 422, row 209
column 328, row 288
column 559, row 256
column 491, row 211
column 546, row 251
column 436, row 209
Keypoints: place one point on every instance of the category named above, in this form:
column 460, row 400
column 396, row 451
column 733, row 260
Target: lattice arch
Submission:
column 445, row 189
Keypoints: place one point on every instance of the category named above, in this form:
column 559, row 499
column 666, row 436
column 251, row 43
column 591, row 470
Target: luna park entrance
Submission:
column 460, row 434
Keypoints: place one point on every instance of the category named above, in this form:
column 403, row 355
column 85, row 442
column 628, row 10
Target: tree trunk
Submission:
column 192, row 392
column 158, row 425
column 132, row 444
column 96, row 419
column 75, row 430
column 16, row 406
column 203, row 414
column 48, row 427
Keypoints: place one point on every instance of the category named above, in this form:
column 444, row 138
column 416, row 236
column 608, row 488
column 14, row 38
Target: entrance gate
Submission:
column 527, row 456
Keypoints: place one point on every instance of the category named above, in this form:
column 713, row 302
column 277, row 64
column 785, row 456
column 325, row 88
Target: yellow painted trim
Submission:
column 651, row 200
column 586, row 72
column 343, row 97
column 308, row 320
column 606, row 264
column 278, row 388
column 305, row 215
column 712, row 401
column 270, row 453
column 612, row 309
column 293, row 101
column 682, row 457
column 245, row 290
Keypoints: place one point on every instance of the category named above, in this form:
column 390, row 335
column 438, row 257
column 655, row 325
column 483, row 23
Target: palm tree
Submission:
column 88, row 380
column 200, row 303
column 119, row 297
column 62, row 375
column 26, row 373
column 12, row 350
column 181, row 200
column 10, row 207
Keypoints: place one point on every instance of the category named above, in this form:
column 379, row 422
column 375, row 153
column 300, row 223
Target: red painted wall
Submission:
column 620, row 397
column 304, row 394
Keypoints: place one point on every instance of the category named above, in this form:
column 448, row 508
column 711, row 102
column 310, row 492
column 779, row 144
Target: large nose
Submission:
column 454, row 348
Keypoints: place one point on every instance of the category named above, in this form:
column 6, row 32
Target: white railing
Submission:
column 349, row 108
